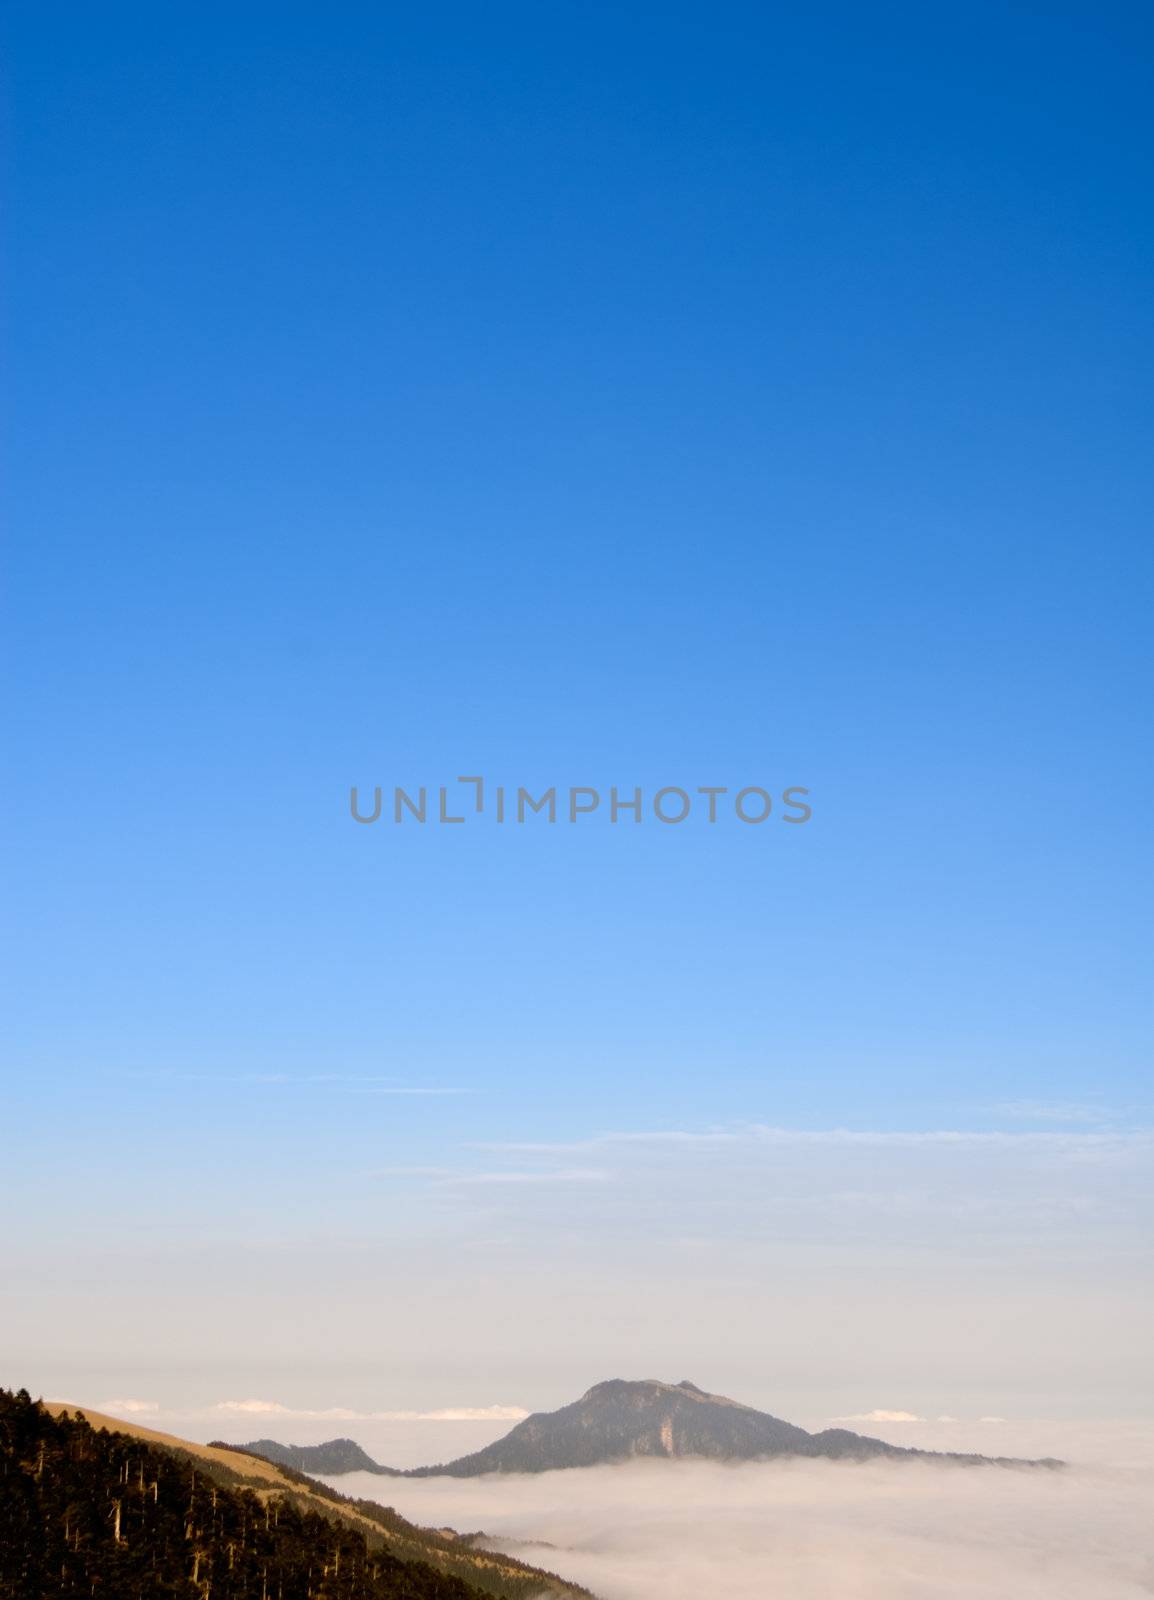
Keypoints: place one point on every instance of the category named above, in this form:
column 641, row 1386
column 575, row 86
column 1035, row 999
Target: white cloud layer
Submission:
column 807, row 1530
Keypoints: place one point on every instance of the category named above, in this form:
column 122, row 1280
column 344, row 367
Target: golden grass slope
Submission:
column 449, row 1552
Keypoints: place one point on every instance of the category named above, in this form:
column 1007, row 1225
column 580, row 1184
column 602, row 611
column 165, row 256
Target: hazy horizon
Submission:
column 805, row 1271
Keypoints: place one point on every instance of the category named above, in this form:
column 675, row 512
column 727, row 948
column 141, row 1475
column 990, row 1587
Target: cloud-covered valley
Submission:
column 811, row 1530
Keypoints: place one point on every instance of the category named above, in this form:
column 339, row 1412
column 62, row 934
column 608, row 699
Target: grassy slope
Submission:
column 447, row 1551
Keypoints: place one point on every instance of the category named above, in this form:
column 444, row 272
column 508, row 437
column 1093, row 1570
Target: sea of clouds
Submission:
column 813, row 1530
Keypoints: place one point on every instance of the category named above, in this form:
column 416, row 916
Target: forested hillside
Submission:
column 89, row 1514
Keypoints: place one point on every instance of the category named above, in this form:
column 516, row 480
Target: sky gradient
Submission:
column 627, row 396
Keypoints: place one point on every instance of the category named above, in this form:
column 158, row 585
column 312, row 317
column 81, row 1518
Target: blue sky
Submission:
column 617, row 395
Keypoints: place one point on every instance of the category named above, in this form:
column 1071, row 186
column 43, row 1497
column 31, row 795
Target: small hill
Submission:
column 329, row 1459
column 93, row 1506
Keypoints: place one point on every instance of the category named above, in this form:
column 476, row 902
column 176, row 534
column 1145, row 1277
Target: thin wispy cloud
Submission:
column 767, row 1135
column 561, row 1175
column 881, row 1415
column 456, row 1177
column 351, row 1083
column 1075, row 1112
column 396, row 1089
column 275, row 1410
column 756, row 1185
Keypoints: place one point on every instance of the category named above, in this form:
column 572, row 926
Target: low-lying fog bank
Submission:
column 812, row 1530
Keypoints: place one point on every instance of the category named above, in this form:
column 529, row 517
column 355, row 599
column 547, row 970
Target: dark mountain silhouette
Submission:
column 622, row 1420
column 329, row 1459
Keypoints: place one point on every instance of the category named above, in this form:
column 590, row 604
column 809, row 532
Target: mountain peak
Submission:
column 655, row 1386
column 610, row 1387
column 622, row 1419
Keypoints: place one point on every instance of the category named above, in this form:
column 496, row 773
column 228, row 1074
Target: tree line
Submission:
column 92, row 1515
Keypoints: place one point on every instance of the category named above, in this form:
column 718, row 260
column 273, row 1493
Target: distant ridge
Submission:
column 623, row 1420
column 329, row 1459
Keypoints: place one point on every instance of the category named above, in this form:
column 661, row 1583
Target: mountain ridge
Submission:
column 622, row 1419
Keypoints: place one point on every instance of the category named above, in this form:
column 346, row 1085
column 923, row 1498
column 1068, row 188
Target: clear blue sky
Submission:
column 583, row 394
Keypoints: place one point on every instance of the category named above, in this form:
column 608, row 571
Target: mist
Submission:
column 880, row 1530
